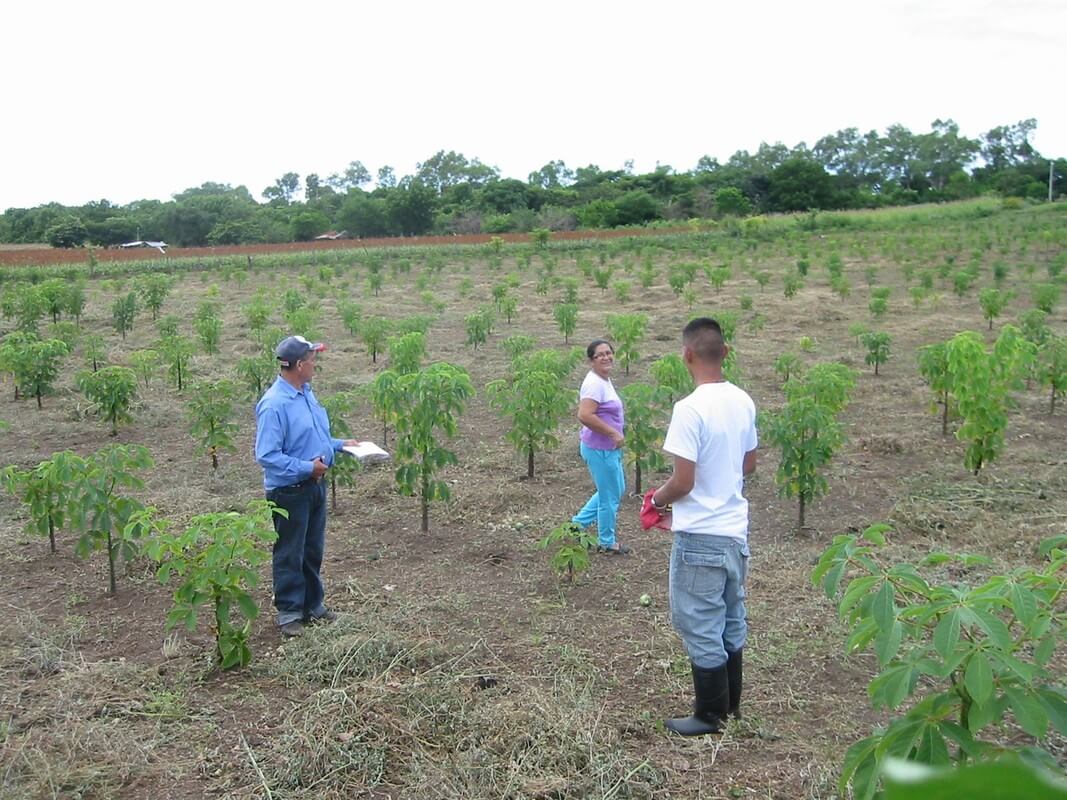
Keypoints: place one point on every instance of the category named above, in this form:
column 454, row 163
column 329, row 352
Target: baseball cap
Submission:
column 293, row 348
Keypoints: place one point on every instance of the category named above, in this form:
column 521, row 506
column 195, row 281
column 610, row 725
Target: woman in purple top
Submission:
column 601, row 414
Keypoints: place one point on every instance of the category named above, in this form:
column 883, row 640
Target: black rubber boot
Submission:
column 734, row 670
column 712, row 690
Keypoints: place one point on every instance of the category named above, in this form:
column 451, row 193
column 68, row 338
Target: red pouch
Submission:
column 652, row 517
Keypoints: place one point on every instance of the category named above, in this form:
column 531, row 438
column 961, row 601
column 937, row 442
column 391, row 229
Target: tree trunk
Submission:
column 637, row 476
column 800, row 524
column 1052, row 401
column 333, row 494
column 529, row 463
column 51, row 534
column 944, row 415
column 110, row 564
column 214, row 458
column 39, row 406
column 425, row 504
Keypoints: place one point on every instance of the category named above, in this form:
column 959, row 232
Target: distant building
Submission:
column 160, row 246
column 331, row 236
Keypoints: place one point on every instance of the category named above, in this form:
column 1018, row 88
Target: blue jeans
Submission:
column 298, row 551
column 606, row 468
column 707, row 588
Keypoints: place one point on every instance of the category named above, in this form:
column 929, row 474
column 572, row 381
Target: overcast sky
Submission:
column 127, row 101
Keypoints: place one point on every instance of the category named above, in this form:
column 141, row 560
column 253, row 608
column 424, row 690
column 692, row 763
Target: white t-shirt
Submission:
column 713, row 427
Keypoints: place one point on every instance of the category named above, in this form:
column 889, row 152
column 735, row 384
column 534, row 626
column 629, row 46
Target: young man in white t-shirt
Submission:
column 712, row 437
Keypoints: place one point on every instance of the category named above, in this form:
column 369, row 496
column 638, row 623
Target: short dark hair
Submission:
column 703, row 336
column 593, row 345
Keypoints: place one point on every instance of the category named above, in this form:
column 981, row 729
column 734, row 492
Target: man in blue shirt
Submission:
column 295, row 449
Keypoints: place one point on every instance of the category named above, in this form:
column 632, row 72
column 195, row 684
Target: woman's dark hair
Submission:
column 593, row 345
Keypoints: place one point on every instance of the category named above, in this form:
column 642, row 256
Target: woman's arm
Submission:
column 587, row 407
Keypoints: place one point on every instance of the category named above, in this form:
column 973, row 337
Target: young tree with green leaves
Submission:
column 219, row 557
column 428, row 405
column 74, row 300
column 374, row 331
column 1052, row 368
column 1045, row 296
column 644, row 432
column 406, row 352
column 345, row 466
column 788, row 365
column 211, row 414
column 479, row 325
column 29, row 307
column 53, row 293
column 960, row 656
column 153, row 290
column 100, row 514
column 46, row 490
column 35, row 365
column 933, row 366
column 257, row 372
column 670, row 373
column 981, row 383
column 571, row 557
column 536, row 401
column 877, row 344
column 112, row 391
column 627, row 330
column 208, row 326
column 146, row 364
column 123, row 312
column 351, row 315
column 566, row 316
column 177, row 351
column 993, row 302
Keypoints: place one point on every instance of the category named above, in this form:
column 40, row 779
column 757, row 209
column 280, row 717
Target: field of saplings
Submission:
column 908, row 514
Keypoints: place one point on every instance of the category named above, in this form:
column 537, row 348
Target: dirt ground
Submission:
column 462, row 666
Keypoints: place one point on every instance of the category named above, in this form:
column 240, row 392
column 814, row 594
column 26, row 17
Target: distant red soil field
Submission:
column 46, row 256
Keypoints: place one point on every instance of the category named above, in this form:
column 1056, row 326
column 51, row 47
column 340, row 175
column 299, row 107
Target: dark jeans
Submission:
column 298, row 550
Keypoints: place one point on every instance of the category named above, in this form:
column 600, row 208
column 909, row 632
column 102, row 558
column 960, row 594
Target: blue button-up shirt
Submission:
column 291, row 430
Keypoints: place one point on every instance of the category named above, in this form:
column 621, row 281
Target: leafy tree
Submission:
column 670, row 373
column 963, row 655
column 35, row 365
column 344, row 469
column 981, row 383
column 508, row 306
column 257, row 372
column 877, row 344
column 731, row 201
column 153, row 290
column 787, row 365
column 351, row 316
column 219, row 556
column 112, row 391
column 535, row 401
column 94, row 350
column 993, row 302
column 829, row 385
column 566, row 316
column 1045, row 296
column 68, row 232
column 428, row 404
column 283, row 190
column 478, row 325
column 145, row 363
column 517, row 345
column 809, row 436
column 208, row 327
column 627, row 330
column 123, row 312
column 103, row 516
column 211, row 415
column 933, row 366
column 644, row 432
column 74, row 300
column 406, row 352
column 53, row 293
column 373, row 331
column 571, row 558
column 176, row 351
column 46, row 490
column 1052, row 368
column 29, row 307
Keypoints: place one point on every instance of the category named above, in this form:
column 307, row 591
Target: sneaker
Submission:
column 617, row 550
column 291, row 630
column 324, row 618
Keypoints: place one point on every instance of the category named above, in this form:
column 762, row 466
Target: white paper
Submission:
column 368, row 452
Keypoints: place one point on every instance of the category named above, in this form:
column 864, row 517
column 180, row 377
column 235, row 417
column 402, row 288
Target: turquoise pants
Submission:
column 606, row 468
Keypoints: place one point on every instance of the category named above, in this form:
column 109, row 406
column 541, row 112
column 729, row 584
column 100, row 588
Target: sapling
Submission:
column 35, row 365
column 627, row 330
column 211, row 413
column 123, row 312
column 877, row 344
column 571, row 558
column 644, row 432
column 112, row 391
column 46, row 490
column 566, row 316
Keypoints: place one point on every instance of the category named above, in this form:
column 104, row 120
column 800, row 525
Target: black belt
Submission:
column 299, row 485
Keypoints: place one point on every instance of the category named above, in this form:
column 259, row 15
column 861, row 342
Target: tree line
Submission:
column 449, row 193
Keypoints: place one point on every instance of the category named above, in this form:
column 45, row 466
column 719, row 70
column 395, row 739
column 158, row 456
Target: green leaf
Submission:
column 1024, row 604
column 858, row 756
column 1055, row 705
column 876, row 533
column 931, row 748
column 887, row 643
column 979, row 679
column 1044, row 650
column 947, row 634
column 247, row 605
column 1006, row 779
column 891, row 687
column 883, row 608
column 994, row 627
column 1028, row 711
column 856, row 591
column 833, row 578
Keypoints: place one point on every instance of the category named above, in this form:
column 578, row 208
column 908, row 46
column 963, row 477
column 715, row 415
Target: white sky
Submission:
column 126, row 101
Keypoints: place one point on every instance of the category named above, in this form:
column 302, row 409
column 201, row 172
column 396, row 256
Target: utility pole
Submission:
column 1050, row 162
